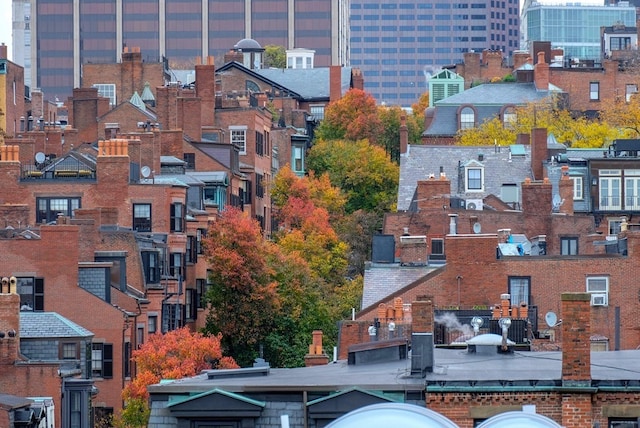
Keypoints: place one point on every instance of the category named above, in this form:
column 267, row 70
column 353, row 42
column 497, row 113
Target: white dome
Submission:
column 519, row 420
column 392, row 415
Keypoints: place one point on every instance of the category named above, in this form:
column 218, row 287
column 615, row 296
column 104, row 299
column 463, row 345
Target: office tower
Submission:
column 69, row 33
column 398, row 45
column 572, row 26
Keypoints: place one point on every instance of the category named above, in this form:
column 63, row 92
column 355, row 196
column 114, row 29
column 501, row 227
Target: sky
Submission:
column 6, row 23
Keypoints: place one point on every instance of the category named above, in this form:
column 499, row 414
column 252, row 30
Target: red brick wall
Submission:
column 433, row 193
column 576, row 332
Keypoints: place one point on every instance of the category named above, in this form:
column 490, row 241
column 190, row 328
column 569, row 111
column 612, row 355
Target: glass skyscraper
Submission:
column 398, row 44
column 574, row 27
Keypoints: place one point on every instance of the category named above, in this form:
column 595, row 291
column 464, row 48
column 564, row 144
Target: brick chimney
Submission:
column 316, row 355
column 537, row 197
column 541, row 73
column 422, row 327
column 206, row 90
column 404, row 134
column 539, row 152
column 335, row 83
column 9, row 321
column 566, row 191
column 576, row 359
column 132, row 71
column 3, row 51
column 357, row 79
column 166, row 102
column 413, row 250
column 520, row 58
column 433, row 193
column 112, row 168
column 84, row 111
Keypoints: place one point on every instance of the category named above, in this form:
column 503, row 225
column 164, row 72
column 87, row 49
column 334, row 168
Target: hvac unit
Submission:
column 474, row 204
column 599, row 299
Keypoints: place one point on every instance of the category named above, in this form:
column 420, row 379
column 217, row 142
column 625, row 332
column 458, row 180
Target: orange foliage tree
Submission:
column 174, row 355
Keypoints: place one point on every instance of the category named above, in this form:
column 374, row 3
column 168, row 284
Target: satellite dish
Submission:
column 145, row 171
column 551, row 319
column 477, row 228
column 40, row 157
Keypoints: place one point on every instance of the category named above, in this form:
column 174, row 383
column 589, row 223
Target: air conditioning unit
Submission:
column 474, row 204
column 599, row 299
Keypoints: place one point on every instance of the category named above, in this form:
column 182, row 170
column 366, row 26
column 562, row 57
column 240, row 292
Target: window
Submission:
column 201, row 289
column 177, row 217
column 594, row 91
column 142, row 217
column 437, row 246
column 151, row 266
column 467, row 118
column 239, row 138
column 200, row 235
column 215, row 195
column 474, row 179
column 297, row 159
column 192, row 249
column 317, row 112
column 176, row 268
column 102, row 360
column 126, row 360
column 48, row 209
column 70, row 351
column 624, row 422
column 190, row 160
column 598, row 286
column 190, row 304
column 610, row 189
column 569, row 246
column 259, row 143
column 509, row 117
column 577, row 188
column 630, row 90
column 520, row 290
column 615, row 226
column 31, row 291
column 152, row 323
column 107, row 90
column 260, row 185
column 632, row 190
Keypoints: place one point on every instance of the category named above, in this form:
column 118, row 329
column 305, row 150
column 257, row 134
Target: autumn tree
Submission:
column 172, row 355
column 419, row 108
column 361, row 170
column 623, row 114
column 243, row 296
column 353, row 117
column 274, row 57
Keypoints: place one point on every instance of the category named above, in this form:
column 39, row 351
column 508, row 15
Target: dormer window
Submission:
column 474, row 177
column 467, row 118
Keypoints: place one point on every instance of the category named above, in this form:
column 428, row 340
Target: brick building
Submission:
column 12, row 95
column 467, row 384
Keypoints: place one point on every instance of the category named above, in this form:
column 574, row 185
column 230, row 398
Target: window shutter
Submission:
column 39, row 295
column 107, row 361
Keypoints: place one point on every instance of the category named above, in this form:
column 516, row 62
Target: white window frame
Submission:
column 632, row 189
column 610, row 186
column 317, row 111
column 594, row 91
column 473, row 167
column 630, row 89
column 238, row 135
column 578, row 188
column 598, row 286
column 107, row 90
column 467, row 118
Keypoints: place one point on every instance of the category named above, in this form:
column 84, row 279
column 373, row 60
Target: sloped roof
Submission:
column 382, row 280
column 36, row 325
column 310, row 83
column 136, row 100
column 488, row 100
column 499, row 168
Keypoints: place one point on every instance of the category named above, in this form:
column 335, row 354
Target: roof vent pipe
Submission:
column 453, row 226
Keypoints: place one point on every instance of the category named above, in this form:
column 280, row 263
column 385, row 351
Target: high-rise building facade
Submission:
column 399, row 44
column 69, row 33
column 573, row 27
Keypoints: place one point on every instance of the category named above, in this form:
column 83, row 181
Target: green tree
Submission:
column 274, row 57
column 361, row 170
column 244, row 296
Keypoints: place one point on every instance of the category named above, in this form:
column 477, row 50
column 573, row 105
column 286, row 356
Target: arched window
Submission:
column 252, row 86
column 467, row 118
column 509, row 117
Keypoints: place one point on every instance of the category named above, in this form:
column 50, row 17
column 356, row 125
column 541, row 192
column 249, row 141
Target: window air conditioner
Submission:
column 599, row 299
column 474, row 204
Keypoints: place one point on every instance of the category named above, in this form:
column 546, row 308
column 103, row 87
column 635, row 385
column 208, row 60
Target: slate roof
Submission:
column 488, row 100
column 499, row 168
column 310, row 83
column 382, row 280
column 37, row 325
